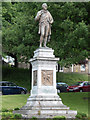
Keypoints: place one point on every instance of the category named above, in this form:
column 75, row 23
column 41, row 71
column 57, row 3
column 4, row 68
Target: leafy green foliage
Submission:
column 4, row 110
column 10, row 115
column 33, row 118
column 7, row 115
column 17, row 108
column 70, row 30
column 17, row 116
column 81, row 116
column 49, row 119
column 59, row 118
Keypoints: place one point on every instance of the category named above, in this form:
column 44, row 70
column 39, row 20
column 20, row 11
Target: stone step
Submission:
column 44, row 108
column 39, row 113
column 44, row 99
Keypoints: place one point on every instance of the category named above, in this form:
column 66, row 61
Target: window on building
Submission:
column 61, row 69
column 82, row 67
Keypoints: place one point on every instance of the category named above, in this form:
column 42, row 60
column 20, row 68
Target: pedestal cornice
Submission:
column 44, row 54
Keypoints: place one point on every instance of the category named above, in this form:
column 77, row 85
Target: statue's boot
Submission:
column 45, row 45
column 40, row 45
column 45, row 41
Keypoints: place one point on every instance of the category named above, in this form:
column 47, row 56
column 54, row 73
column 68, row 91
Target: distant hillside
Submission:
column 19, row 76
column 71, row 78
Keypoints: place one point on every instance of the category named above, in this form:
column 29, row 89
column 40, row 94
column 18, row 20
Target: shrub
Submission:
column 5, row 110
column 59, row 118
column 78, row 116
column 10, row 110
column 7, row 115
column 10, row 115
column 82, row 116
column 49, row 119
column 18, row 116
column 33, row 118
column 16, row 108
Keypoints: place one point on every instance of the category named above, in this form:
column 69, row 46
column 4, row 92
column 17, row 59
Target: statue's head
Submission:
column 44, row 6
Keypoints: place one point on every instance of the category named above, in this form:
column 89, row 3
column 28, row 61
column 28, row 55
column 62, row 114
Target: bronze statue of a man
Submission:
column 45, row 21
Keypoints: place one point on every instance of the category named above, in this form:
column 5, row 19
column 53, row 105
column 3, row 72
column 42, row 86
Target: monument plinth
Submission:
column 44, row 100
column 44, row 72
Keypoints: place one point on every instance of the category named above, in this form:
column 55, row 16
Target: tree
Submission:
column 17, row 38
column 69, row 31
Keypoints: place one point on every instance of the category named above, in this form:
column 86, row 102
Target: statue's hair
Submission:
column 44, row 4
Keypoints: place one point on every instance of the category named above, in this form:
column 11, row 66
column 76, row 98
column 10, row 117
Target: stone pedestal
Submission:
column 44, row 101
column 44, row 72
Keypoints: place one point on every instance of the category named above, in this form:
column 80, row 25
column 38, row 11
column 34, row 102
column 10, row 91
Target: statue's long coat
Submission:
column 44, row 17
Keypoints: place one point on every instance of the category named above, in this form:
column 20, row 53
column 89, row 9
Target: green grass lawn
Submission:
column 76, row 101
column 14, row 101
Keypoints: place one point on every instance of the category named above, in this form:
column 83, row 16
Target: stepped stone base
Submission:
column 44, row 101
column 45, row 107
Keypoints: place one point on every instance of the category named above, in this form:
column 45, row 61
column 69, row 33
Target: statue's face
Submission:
column 44, row 6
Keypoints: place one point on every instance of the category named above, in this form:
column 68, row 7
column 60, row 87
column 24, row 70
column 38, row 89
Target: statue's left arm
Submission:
column 50, row 18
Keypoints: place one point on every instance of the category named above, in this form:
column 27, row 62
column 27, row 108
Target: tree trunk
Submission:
column 30, row 69
column 16, row 61
column 89, row 65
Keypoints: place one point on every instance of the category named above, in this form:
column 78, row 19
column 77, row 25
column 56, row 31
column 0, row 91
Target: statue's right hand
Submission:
column 38, row 15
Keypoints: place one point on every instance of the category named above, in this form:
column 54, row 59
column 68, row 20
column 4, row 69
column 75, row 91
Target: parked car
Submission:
column 80, row 87
column 7, row 88
column 61, row 87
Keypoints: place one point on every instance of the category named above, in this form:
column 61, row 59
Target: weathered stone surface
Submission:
column 35, row 78
column 44, row 101
column 44, row 52
column 47, row 77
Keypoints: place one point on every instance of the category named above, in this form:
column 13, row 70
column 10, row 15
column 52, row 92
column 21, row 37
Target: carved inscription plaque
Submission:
column 47, row 77
column 35, row 78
